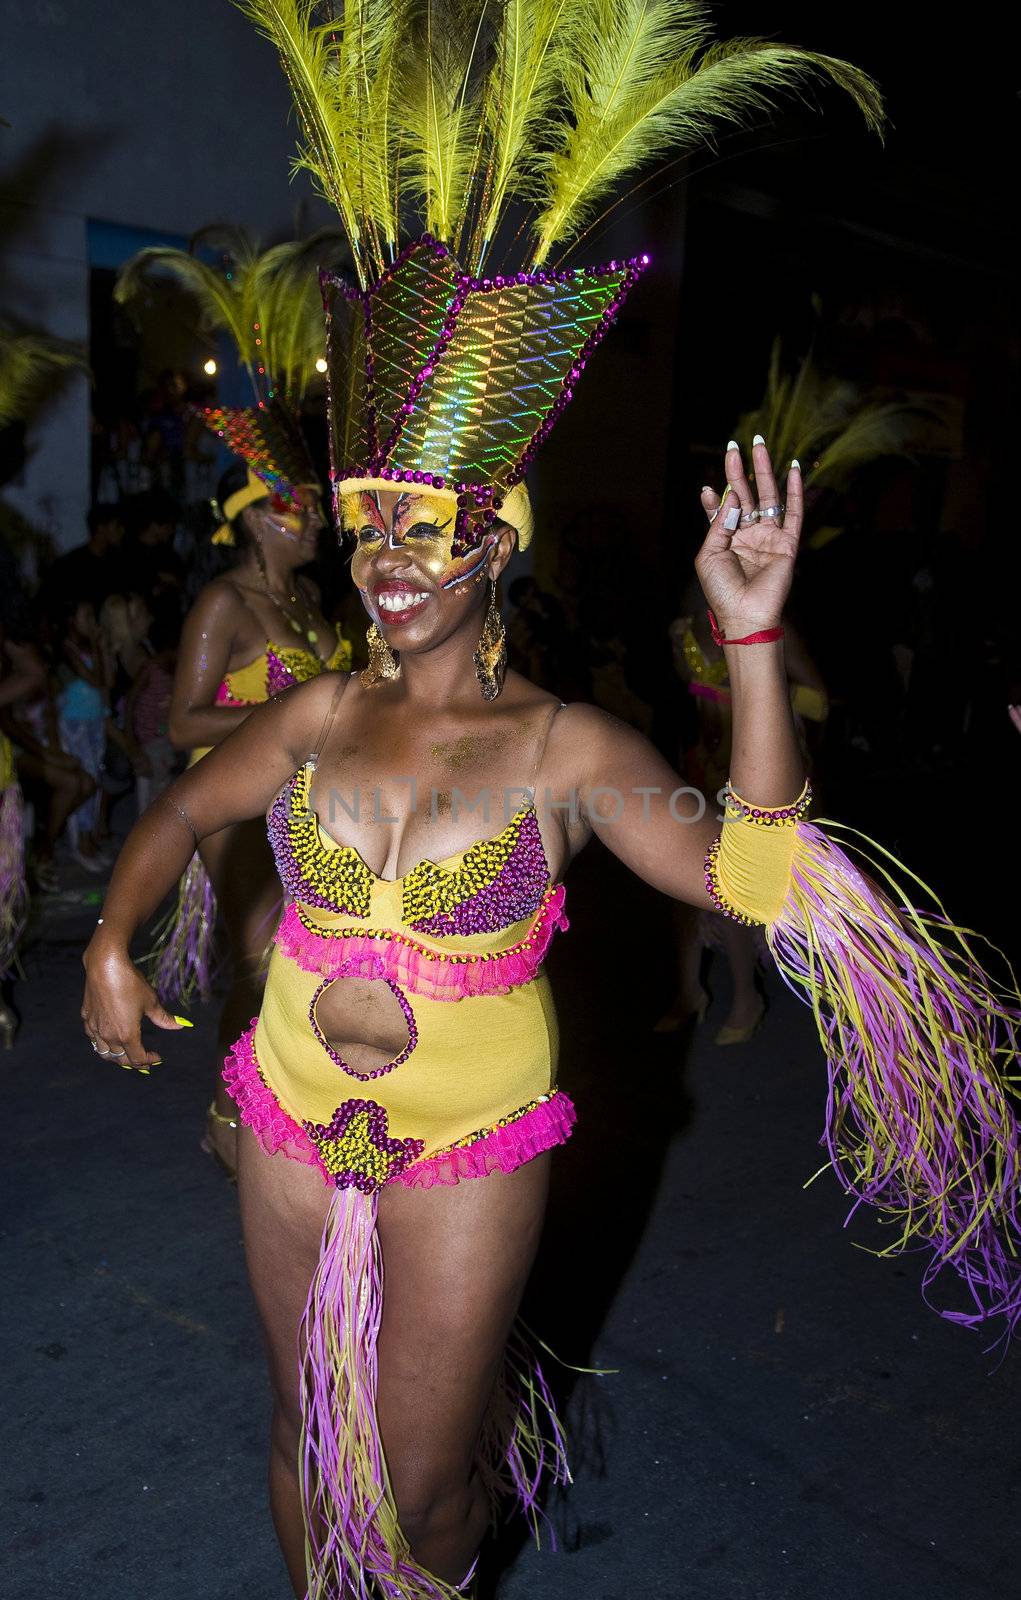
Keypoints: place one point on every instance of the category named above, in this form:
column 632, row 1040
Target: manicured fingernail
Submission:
column 732, row 444
column 732, row 519
column 758, row 439
column 184, row 1022
column 795, row 465
column 707, row 488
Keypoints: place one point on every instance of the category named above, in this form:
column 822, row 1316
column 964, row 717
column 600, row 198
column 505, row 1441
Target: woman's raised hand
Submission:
column 746, row 563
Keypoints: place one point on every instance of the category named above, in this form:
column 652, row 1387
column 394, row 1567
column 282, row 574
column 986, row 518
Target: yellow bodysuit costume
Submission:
column 473, row 1088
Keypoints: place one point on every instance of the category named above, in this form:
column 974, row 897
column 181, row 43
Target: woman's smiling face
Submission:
column 403, row 563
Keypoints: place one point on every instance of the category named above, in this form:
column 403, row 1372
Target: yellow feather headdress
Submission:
column 31, row 365
column 504, row 125
column 268, row 303
column 827, row 423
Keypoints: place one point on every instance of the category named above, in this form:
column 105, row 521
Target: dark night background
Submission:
column 789, row 1421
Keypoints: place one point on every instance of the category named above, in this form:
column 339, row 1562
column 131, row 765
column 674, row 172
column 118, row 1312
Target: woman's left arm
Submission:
column 625, row 791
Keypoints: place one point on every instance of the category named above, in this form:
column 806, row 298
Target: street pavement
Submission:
column 784, row 1419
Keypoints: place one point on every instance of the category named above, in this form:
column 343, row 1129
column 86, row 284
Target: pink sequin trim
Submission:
column 502, row 1150
column 414, row 966
column 259, row 1107
column 224, row 697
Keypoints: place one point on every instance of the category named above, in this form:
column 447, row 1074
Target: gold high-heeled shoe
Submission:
column 678, row 1017
column 728, row 1034
column 216, row 1119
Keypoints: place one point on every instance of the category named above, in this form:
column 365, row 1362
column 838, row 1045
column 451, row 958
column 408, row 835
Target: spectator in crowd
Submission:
column 151, row 566
column 83, row 706
column 124, row 621
column 90, row 570
column 53, row 780
column 147, row 710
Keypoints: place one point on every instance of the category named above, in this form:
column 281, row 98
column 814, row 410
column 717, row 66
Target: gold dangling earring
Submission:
column 383, row 663
column 491, row 656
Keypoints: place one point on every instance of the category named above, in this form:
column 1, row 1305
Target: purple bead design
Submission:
column 514, row 893
column 356, row 1149
column 330, row 880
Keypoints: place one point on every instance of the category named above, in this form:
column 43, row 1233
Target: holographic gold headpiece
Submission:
column 452, row 359
column 453, row 382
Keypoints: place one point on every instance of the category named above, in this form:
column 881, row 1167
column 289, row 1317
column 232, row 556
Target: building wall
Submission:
column 159, row 117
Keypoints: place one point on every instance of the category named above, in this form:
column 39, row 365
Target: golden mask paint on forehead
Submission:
column 421, row 524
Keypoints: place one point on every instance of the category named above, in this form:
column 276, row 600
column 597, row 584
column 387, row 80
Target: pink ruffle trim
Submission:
column 259, row 1107
column 547, row 1124
column 417, row 967
column 505, row 1148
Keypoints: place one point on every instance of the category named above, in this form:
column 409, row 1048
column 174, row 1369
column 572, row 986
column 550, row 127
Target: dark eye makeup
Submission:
column 426, row 530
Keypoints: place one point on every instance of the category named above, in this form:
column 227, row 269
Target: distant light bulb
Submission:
column 320, row 363
column 209, row 367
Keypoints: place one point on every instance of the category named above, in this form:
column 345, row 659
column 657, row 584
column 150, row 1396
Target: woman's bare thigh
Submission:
column 455, row 1263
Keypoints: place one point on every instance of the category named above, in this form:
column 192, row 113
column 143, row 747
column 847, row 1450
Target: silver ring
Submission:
column 748, row 518
column 95, row 1046
column 771, row 512
column 713, row 515
column 116, row 1052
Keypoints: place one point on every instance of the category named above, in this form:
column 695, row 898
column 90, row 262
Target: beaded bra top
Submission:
column 278, row 667
column 491, row 885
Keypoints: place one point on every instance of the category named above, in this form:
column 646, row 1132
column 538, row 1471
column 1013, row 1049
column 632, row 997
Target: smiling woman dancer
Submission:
column 257, row 629
column 406, row 1047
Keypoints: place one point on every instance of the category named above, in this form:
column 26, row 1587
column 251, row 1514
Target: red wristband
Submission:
column 767, row 635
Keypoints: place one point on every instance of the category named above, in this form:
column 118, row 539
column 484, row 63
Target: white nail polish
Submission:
column 733, row 518
column 796, row 465
column 732, row 444
column 758, row 439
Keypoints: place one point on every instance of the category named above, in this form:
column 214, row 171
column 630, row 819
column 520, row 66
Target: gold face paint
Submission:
column 422, row 524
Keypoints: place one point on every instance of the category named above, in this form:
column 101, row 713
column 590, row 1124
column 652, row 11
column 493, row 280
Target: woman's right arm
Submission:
column 233, row 783
column 203, row 659
column 28, row 675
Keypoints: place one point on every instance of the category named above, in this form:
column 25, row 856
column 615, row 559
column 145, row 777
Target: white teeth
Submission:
column 399, row 602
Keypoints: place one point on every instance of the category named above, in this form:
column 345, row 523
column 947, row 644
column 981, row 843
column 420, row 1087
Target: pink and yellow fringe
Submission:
column 13, row 887
column 922, row 1049
column 354, row 1544
column 180, row 963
